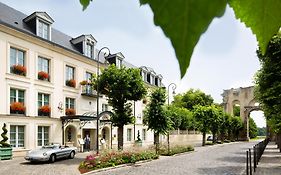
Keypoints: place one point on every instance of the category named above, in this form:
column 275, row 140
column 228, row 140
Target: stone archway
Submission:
column 245, row 95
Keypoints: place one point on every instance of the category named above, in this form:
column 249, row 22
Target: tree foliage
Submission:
column 181, row 118
column 268, row 84
column 253, row 129
column 155, row 116
column 121, row 85
column 181, row 23
column 236, row 126
column 192, row 98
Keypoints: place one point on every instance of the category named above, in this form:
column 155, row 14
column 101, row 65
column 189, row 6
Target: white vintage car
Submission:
column 51, row 153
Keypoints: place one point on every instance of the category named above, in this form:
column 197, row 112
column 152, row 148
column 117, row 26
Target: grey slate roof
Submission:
column 13, row 18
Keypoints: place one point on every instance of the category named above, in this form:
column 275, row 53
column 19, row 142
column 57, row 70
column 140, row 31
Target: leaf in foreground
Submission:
column 184, row 21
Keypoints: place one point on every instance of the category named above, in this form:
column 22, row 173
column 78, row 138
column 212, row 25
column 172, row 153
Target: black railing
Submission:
column 88, row 90
column 257, row 151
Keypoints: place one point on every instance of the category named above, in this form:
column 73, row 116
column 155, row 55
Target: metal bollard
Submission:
column 250, row 160
column 247, row 163
column 255, row 159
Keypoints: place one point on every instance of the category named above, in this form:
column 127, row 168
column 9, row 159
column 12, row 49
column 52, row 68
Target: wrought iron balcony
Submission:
column 88, row 90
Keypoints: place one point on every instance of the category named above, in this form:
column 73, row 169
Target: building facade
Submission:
column 44, row 75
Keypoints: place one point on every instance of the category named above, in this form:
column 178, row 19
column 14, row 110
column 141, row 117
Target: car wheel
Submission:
column 71, row 155
column 52, row 158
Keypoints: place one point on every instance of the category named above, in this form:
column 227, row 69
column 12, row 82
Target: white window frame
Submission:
column 17, row 136
column 44, row 95
column 88, row 50
column 68, row 74
column 143, row 134
column 129, row 134
column 42, row 68
column 67, row 103
column 17, row 56
column 41, row 32
column 17, row 95
column 104, row 107
column 42, row 135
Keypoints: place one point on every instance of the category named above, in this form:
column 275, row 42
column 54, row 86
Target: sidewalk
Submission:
column 270, row 162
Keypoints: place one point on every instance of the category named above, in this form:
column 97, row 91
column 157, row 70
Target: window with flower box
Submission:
column 17, row 101
column 70, row 106
column 69, row 77
column 17, row 62
column 43, row 135
column 17, row 136
column 44, row 108
column 43, row 69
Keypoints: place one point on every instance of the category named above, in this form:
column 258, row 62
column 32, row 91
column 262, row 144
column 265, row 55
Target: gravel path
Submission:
column 226, row 159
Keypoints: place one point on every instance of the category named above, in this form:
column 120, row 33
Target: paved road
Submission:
column 226, row 159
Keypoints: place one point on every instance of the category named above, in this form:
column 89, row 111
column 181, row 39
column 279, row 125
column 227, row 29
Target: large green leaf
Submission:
column 183, row 21
column 85, row 3
column 262, row 16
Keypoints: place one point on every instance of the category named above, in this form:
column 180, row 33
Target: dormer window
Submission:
column 88, row 50
column 85, row 44
column 116, row 59
column 40, row 23
column 118, row 63
column 43, row 30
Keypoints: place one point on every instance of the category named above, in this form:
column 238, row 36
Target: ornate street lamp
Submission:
column 98, row 93
column 174, row 86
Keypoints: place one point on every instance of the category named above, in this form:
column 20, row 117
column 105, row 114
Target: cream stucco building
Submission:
column 43, row 77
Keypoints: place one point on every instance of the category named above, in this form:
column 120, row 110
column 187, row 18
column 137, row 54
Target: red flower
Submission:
column 19, row 69
column 71, row 83
column 17, row 107
column 43, row 75
column 45, row 109
column 70, row 111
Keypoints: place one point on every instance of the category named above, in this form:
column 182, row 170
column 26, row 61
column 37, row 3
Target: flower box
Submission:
column 84, row 82
column 44, row 110
column 18, row 69
column 6, row 153
column 71, row 83
column 17, row 108
column 43, row 75
column 70, row 111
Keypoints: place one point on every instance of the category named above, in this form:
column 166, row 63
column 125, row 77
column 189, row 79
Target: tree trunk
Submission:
column 214, row 138
column 120, row 137
column 156, row 141
column 204, row 139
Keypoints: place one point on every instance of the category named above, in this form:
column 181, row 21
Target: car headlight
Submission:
column 44, row 154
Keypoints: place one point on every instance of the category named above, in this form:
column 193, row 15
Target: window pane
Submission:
column 20, row 57
column 46, row 99
column 12, row 56
column 20, row 96
column 13, row 95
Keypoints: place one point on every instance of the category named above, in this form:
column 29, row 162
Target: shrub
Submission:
column 19, row 69
column 43, row 75
column 84, row 82
column 175, row 150
column 110, row 159
column 3, row 142
column 71, row 83
column 17, row 107
column 70, row 111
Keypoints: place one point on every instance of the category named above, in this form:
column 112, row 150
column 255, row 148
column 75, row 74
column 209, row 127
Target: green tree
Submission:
column 185, row 31
column 253, row 129
column 192, row 98
column 268, row 84
column 121, row 86
column 215, row 118
column 262, row 131
column 236, row 126
column 225, row 125
column 236, row 110
column 202, row 115
column 155, row 116
column 3, row 142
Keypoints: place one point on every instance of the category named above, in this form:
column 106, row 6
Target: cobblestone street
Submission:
column 226, row 159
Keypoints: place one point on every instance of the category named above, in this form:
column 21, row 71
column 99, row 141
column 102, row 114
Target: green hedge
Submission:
column 175, row 150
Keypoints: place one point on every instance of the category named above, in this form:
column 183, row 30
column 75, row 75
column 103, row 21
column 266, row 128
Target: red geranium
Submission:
column 45, row 109
column 71, row 83
column 17, row 107
column 70, row 111
column 19, row 69
column 43, row 75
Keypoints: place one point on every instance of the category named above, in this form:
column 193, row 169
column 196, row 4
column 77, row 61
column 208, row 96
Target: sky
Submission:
column 224, row 58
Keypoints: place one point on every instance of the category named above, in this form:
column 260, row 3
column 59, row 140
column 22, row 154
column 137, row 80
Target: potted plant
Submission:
column 44, row 110
column 138, row 142
column 71, row 83
column 19, row 69
column 17, row 108
column 84, row 82
column 5, row 148
column 43, row 75
column 70, row 111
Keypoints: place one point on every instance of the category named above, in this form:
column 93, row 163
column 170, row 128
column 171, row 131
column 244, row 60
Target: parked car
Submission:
column 51, row 153
column 210, row 138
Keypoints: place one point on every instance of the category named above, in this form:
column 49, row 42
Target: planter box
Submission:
column 6, row 153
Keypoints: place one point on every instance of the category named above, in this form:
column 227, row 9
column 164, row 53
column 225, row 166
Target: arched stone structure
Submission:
column 245, row 97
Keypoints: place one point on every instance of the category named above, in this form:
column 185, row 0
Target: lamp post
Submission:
column 98, row 93
column 174, row 86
